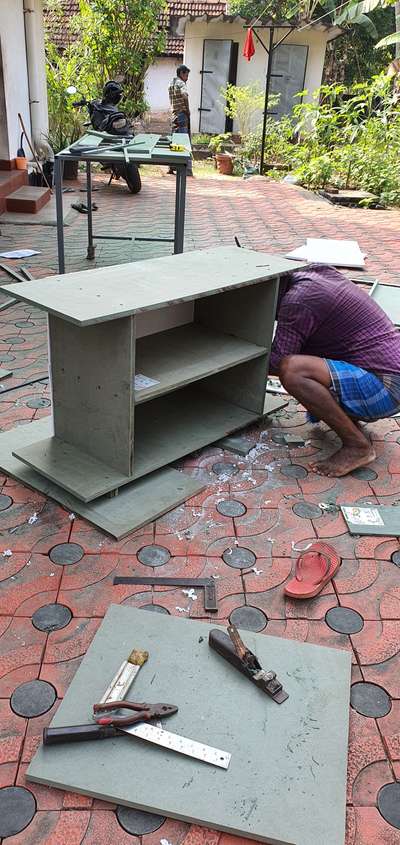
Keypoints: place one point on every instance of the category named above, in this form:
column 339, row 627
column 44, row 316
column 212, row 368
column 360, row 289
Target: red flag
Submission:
column 249, row 49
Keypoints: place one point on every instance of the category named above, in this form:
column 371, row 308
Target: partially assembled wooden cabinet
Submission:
column 150, row 361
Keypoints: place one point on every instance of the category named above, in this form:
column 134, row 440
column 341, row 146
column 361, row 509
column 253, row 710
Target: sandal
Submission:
column 314, row 569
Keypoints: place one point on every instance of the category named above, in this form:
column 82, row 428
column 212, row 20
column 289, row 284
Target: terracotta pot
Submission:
column 21, row 163
column 224, row 163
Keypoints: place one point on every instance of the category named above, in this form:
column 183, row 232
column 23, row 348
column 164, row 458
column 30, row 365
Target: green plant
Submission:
column 201, row 139
column 221, row 143
column 245, row 104
column 65, row 122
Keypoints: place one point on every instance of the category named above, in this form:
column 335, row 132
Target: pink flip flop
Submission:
column 314, row 568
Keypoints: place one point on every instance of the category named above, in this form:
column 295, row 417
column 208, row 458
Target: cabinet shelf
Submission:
column 175, row 425
column 183, row 355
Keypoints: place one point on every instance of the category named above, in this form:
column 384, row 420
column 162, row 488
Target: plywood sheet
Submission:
column 107, row 293
column 136, row 505
column 286, row 781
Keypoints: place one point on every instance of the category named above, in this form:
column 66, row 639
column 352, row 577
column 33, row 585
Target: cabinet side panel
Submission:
column 92, row 374
column 248, row 313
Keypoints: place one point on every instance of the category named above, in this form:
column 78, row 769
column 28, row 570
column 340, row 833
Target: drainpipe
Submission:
column 36, row 67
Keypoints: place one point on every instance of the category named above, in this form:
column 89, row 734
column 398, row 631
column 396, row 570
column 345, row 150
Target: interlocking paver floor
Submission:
column 265, row 216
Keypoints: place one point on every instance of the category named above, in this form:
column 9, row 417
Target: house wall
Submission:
column 15, row 75
column 156, row 84
column 23, row 77
column 247, row 72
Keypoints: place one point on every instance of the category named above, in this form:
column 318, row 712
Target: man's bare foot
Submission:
column 345, row 460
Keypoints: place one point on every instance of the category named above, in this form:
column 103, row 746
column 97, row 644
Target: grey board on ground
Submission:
column 93, row 296
column 136, row 505
column 5, row 373
column 372, row 520
column 388, row 297
column 287, row 777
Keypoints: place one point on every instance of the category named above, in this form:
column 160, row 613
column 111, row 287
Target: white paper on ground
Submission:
column 363, row 516
column 19, row 253
column 340, row 253
column 141, row 382
column 275, row 386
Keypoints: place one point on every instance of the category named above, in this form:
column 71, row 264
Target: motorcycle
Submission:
column 105, row 117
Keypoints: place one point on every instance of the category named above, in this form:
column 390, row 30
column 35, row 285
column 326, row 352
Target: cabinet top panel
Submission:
column 109, row 293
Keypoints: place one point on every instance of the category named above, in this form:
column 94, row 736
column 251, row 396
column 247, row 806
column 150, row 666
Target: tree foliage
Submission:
column 120, row 40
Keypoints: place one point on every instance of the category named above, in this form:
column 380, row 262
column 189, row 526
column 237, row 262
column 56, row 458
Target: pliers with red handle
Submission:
column 143, row 712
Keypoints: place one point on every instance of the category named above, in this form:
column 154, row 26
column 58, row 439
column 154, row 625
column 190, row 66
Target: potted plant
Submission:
column 200, row 146
column 222, row 146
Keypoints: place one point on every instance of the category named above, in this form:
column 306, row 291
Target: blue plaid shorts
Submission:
column 361, row 393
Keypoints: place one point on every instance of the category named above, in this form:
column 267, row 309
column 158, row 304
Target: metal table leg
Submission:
column 91, row 247
column 180, row 198
column 58, row 179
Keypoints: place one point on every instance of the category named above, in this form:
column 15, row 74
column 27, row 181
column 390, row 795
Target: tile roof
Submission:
column 175, row 9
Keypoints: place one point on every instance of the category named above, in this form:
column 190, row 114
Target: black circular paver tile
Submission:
column 66, row 553
column 38, row 402
column 239, row 558
column 155, row 608
column 249, row 618
column 138, row 822
column 221, row 468
column 33, row 698
column 396, row 558
column 307, row 510
column 20, row 324
column 370, row 700
column 17, row 809
column 15, row 340
column 51, row 617
column 344, row 620
column 294, row 471
column 5, row 502
column 230, row 507
column 389, row 803
column 154, row 555
column 364, row 474
column 6, row 357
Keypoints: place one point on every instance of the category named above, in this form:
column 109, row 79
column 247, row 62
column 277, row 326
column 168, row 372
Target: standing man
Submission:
column 336, row 351
column 179, row 99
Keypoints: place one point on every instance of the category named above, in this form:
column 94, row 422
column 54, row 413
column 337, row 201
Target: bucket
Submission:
column 21, row 163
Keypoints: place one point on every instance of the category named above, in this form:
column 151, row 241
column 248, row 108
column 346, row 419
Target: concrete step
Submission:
column 28, row 199
column 7, row 164
column 10, row 180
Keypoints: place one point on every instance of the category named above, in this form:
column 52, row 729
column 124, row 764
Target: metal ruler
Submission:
column 180, row 744
column 208, row 584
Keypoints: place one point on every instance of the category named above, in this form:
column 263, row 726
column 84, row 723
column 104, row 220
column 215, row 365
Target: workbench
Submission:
column 143, row 149
column 150, row 361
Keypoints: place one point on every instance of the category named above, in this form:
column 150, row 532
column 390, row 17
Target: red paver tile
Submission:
column 34, row 732
column 365, row 749
column 372, row 588
column 21, row 645
column 32, row 585
column 389, row 727
column 367, row 827
column 54, row 828
column 377, row 647
column 202, row 836
column 70, row 642
column 12, row 732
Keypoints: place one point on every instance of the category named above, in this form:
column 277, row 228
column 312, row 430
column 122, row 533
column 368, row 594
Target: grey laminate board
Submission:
column 274, row 403
column 287, row 777
column 183, row 355
column 388, row 297
column 5, row 373
column 91, row 376
column 93, row 296
column 179, row 423
column 375, row 520
column 248, row 313
column 66, row 465
column 136, row 504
